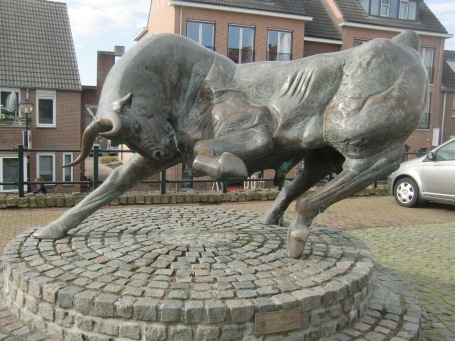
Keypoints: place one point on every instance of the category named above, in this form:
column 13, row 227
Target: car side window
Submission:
column 446, row 153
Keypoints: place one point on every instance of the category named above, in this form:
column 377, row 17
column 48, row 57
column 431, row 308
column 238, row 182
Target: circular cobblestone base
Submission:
column 184, row 273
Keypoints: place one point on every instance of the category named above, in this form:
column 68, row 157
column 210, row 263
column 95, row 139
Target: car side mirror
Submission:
column 430, row 156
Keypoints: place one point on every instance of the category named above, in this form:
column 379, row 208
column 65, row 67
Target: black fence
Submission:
column 20, row 151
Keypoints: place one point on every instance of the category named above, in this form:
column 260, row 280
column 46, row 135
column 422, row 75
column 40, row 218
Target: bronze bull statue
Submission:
column 172, row 100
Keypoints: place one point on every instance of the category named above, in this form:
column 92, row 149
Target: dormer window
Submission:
column 400, row 9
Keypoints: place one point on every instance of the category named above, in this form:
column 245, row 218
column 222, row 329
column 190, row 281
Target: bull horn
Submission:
column 112, row 120
column 88, row 138
column 120, row 103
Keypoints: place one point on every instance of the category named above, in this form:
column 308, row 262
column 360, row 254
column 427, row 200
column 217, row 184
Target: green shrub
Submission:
column 108, row 159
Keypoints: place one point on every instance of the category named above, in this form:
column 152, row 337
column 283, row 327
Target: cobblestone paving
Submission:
column 420, row 250
column 424, row 256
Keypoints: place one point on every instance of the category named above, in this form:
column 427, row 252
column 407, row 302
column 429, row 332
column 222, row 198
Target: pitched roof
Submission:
column 352, row 11
column 277, row 6
column 322, row 25
column 448, row 75
column 36, row 46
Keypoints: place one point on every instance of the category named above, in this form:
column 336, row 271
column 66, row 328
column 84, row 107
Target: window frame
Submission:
column 407, row 9
column 38, row 155
column 385, row 5
column 269, row 30
column 431, row 73
column 241, row 40
column 24, row 175
column 200, row 22
column 360, row 42
column 67, row 169
column 49, row 95
column 393, row 8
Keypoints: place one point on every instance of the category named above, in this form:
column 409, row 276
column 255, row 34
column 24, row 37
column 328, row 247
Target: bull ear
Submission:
column 119, row 104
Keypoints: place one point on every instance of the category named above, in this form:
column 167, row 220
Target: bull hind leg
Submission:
column 318, row 164
column 356, row 175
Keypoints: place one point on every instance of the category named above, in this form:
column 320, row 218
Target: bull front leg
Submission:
column 356, row 175
column 222, row 158
column 119, row 181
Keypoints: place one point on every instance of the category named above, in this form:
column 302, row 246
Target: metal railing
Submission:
column 425, row 122
column 240, row 56
column 430, row 71
column 279, row 56
column 21, row 182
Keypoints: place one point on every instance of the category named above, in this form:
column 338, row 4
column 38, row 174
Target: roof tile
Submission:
column 37, row 46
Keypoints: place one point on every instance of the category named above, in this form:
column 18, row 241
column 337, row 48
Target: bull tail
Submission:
column 408, row 38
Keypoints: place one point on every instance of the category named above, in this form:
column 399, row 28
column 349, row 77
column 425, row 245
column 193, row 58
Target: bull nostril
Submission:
column 158, row 154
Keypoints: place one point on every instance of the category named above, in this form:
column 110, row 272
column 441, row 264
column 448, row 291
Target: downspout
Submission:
column 443, row 116
column 180, row 32
column 181, row 19
column 438, row 84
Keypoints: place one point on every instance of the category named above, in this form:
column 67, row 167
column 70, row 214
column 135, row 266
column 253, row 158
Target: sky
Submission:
column 99, row 25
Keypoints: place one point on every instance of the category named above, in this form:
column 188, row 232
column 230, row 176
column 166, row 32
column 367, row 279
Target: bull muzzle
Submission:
column 165, row 150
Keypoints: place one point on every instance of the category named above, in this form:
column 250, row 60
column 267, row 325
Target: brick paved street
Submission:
column 415, row 243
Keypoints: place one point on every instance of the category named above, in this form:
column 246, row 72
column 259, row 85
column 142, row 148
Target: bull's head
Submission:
column 129, row 122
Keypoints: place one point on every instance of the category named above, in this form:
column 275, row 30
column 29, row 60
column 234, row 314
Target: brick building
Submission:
column 247, row 31
column 39, row 63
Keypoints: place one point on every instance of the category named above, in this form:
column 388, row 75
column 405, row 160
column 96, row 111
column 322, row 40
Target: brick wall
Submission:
column 162, row 18
column 261, row 24
column 312, row 48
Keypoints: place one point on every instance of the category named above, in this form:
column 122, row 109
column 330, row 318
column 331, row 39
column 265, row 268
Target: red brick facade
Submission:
column 65, row 135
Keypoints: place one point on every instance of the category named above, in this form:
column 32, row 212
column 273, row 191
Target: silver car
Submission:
column 427, row 178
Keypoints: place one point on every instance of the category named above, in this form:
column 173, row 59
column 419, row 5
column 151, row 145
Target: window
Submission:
column 45, row 108
column 202, row 33
column 9, row 103
column 358, row 41
column 9, row 167
column 279, row 45
column 45, row 166
column 425, row 122
column 446, row 153
column 241, row 44
column 401, row 9
column 428, row 59
column 385, row 6
column 404, row 9
column 67, row 171
column 453, row 107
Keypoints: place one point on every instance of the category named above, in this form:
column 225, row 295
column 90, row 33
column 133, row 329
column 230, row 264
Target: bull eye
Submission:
column 136, row 128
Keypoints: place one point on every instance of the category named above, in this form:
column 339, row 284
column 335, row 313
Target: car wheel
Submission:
column 407, row 192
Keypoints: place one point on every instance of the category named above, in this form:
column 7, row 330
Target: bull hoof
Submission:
column 232, row 167
column 273, row 219
column 50, row 232
column 297, row 238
